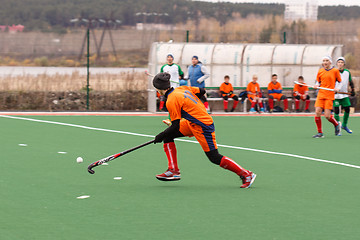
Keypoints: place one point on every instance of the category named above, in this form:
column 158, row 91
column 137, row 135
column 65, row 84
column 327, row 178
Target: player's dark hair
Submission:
column 301, row 77
column 162, row 81
column 226, row 76
column 274, row 75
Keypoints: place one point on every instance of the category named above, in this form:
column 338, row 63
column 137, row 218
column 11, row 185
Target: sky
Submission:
column 321, row 2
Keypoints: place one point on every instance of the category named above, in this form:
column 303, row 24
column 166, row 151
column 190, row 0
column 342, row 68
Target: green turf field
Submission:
column 292, row 198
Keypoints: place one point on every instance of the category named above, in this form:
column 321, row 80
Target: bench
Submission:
column 216, row 103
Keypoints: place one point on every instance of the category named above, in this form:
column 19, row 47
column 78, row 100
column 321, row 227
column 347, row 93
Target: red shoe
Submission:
column 169, row 175
column 248, row 180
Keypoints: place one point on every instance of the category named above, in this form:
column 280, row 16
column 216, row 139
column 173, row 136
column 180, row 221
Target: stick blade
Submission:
column 91, row 166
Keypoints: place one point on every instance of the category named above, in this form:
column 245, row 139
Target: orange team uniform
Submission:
column 327, row 79
column 300, row 89
column 226, row 88
column 253, row 90
column 276, row 86
column 183, row 104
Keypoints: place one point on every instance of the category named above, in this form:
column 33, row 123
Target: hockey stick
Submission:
column 152, row 75
column 112, row 157
column 149, row 74
column 329, row 89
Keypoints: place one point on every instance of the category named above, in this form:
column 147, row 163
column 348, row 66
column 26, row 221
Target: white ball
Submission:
column 79, row 160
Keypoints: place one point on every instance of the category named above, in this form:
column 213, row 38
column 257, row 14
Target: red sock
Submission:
column 226, row 104
column 253, row 104
column 333, row 121
column 318, row 124
column 261, row 105
column 161, row 105
column 230, row 165
column 307, row 103
column 206, row 104
column 235, row 104
column 271, row 103
column 170, row 150
column 285, row 104
column 297, row 104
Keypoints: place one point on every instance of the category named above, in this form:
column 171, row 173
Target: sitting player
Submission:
column 275, row 92
column 254, row 94
column 227, row 91
column 301, row 92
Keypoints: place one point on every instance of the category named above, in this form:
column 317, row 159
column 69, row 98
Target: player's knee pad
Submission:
column 307, row 97
column 271, row 96
column 297, row 97
column 283, row 97
column 214, row 156
column 203, row 98
column 236, row 98
column 225, row 98
column 347, row 109
column 336, row 110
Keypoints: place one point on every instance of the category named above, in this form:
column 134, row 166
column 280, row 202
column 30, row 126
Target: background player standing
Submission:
column 197, row 73
column 227, row 91
column 343, row 100
column 175, row 72
column 189, row 118
column 275, row 92
column 326, row 77
column 301, row 92
column 254, row 94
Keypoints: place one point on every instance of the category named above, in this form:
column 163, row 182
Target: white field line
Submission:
column 183, row 140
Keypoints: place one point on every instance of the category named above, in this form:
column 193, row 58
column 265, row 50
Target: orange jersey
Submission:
column 226, row 88
column 276, row 86
column 327, row 79
column 253, row 88
column 300, row 89
column 183, row 103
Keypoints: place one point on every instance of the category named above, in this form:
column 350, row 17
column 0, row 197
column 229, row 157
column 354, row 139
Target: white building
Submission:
column 301, row 9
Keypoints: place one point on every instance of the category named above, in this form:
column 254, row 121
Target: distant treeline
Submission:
column 55, row 15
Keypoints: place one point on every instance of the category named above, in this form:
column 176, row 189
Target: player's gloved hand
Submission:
column 159, row 138
column 199, row 80
column 231, row 92
column 352, row 93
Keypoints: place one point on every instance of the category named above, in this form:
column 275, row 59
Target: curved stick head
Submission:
column 91, row 166
column 90, row 170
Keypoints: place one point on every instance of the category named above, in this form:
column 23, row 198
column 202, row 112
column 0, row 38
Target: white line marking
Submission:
column 83, row 197
column 62, row 152
column 23, row 145
column 184, row 140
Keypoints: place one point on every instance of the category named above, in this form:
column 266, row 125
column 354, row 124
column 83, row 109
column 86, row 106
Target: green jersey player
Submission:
column 174, row 70
column 175, row 75
column 343, row 100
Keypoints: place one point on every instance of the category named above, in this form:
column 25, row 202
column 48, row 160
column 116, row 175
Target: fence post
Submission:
column 87, row 69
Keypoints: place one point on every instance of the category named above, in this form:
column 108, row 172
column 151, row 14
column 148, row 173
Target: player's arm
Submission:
column 231, row 90
column 206, row 74
column 200, row 93
column 279, row 90
column 162, row 68
column 181, row 73
column 338, row 79
column 222, row 89
column 170, row 131
column 352, row 86
column 270, row 90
